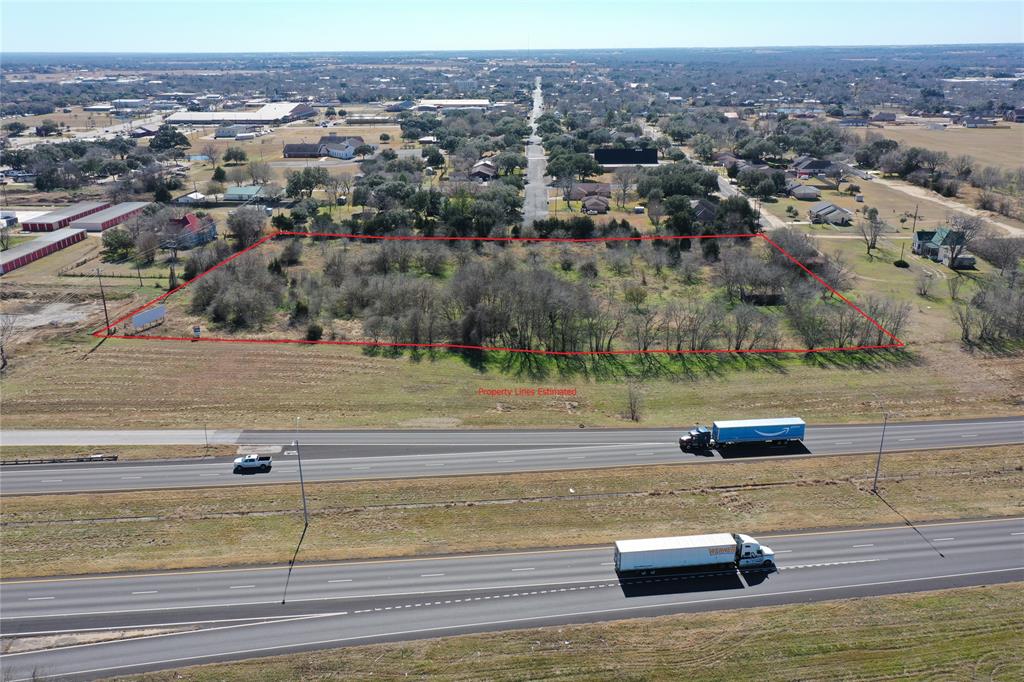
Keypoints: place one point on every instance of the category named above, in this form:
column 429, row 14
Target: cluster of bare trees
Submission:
column 241, row 295
column 835, row 324
column 995, row 313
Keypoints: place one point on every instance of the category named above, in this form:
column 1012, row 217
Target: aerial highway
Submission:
column 353, row 455
column 199, row 616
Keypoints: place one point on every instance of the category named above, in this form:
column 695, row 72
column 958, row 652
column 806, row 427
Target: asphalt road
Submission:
column 353, row 455
column 237, row 613
column 535, row 200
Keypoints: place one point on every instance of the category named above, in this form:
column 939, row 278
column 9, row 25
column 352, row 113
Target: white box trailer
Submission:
column 691, row 551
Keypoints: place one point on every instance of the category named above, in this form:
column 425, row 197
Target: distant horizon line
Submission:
column 515, row 49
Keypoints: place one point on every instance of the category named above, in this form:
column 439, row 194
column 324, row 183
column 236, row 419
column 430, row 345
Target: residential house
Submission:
column 704, row 212
column 1014, row 115
column 939, row 248
column 483, row 170
column 853, row 122
column 581, row 191
column 302, row 150
column 802, row 192
column 827, row 212
column 147, row 130
column 194, row 231
column 244, row 194
column 884, row 117
column 920, row 239
column 979, row 123
column 190, row 198
column 809, row 165
column 339, row 147
column 595, row 204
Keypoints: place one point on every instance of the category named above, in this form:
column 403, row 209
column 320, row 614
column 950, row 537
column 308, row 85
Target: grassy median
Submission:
column 102, row 532
column 961, row 634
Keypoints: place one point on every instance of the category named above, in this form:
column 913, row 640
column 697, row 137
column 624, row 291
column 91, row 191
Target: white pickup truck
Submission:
column 251, row 463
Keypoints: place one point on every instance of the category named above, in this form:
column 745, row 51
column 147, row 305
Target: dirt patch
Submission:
column 17, row 645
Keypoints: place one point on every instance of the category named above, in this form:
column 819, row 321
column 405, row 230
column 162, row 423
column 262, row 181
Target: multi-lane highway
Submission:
column 222, row 614
column 350, row 455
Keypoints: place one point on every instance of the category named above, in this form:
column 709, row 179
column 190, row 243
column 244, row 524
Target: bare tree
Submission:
column 954, row 284
column 625, row 180
column 237, row 175
column 259, row 172
column 210, row 151
column 8, row 332
column 967, row 228
column 655, row 211
column 246, row 225
column 964, row 315
column 924, row 284
column 871, row 228
column 5, row 237
column 836, row 173
column 634, row 402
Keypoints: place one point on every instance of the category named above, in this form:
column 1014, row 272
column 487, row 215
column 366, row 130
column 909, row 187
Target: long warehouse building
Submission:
column 107, row 218
column 26, row 252
column 62, row 217
column 268, row 114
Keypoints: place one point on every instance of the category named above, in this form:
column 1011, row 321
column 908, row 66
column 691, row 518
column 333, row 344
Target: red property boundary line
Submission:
column 896, row 342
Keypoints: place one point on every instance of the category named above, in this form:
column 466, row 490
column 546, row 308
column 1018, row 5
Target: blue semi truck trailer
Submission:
column 724, row 433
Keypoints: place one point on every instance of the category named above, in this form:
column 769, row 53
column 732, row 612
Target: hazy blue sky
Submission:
column 343, row 25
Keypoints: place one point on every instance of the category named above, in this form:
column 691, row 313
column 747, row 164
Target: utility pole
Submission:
column 206, row 437
column 914, row 228
column 103, row 295
column 139, row 273
column 878, row 462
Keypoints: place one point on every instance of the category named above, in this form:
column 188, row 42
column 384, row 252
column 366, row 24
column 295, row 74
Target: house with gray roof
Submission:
column 827, row 212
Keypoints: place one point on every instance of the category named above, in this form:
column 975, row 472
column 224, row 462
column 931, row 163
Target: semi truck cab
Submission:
column 696, row 439
column 752, row 554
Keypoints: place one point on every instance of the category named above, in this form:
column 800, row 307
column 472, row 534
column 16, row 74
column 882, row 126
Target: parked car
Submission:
column 253, row 463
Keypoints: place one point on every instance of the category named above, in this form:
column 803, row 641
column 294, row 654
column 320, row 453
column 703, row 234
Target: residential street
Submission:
column 535, row 204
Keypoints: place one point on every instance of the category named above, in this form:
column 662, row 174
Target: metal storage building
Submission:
column 62, row 217
column 26, row 252
column 107, row 218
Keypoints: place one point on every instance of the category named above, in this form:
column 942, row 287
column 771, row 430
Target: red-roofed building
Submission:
column 191, row 231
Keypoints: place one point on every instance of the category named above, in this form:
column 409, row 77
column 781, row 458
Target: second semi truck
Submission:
column 691, row 551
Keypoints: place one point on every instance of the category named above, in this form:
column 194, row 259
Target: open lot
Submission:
column 1002, row 147
column 95, row 533
column 962, row 634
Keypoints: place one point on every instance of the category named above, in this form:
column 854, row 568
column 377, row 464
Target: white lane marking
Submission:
column 843, row 442
column 430, row 575
column 461, row 625
column 1016, row 533
column 146, row 592
column 904, row 439
column 505, row 461
column 39, row 598
column 577, row 457
column 241, row 587
column 783, row 551
column 125, row 478
column 968, row 435
column 943, row 539
column 434, row 465
column 523, row 569
column 52, row 480
column 359, row 468
column 207, row 475
column 608, row 563
column 342, row 580
column 868, row 545
column 830, row 563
